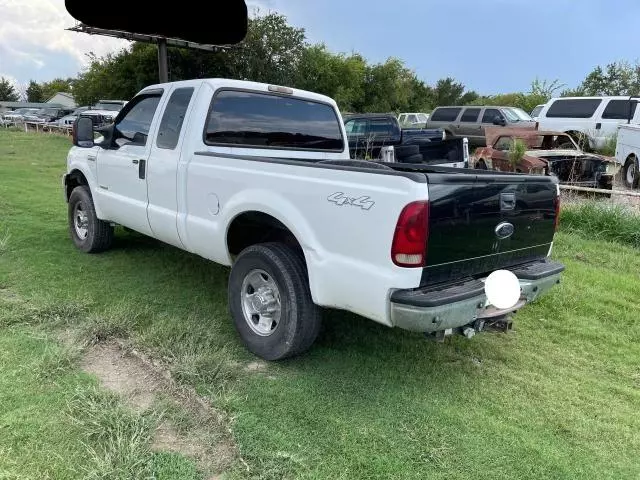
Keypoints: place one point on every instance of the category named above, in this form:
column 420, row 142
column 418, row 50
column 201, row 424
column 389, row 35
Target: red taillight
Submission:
column 409, row 247
column 74, row 135
column 556, row 204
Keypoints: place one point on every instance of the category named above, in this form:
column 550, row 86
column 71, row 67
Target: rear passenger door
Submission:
column 469, row 125
column 488, row 117
column 162, row 171
column 615, row 112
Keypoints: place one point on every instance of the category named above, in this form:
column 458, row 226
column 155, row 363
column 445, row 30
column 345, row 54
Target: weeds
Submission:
column 601, row 221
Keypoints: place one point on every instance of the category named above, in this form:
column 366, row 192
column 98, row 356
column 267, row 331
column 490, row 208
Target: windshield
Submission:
column 78, row 111
column 112, row 107
column 422, row 117
column 510, row 114
column 536, row 111
column 47, row 111
column 522, row 115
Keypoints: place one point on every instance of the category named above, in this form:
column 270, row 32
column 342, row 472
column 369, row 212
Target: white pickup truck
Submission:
column 258, row 177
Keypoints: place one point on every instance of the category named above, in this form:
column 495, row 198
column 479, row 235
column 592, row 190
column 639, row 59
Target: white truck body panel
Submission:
column 191, row 195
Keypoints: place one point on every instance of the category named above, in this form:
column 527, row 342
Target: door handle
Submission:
column 135, row 161
column 142, row 169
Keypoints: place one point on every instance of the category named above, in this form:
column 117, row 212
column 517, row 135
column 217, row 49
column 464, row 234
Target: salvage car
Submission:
column 548, row 153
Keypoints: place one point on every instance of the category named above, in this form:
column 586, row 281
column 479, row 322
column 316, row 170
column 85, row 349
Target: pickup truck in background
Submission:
column 628, row 153
column 259, row 178
column 369, row 133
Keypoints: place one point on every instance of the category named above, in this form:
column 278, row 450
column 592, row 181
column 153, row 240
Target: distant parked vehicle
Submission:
column 536, row 111
column 471, row 121
column 369, row 132
column 548, row 153
column 628, row 153
column 413, row 120
column 47, row 115
column 107, row 108
column 18, row 114
column 591, row 121
column 68, row 120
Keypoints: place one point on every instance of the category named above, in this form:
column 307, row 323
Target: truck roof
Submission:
column 246, row 85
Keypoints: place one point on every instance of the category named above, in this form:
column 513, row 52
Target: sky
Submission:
column 491, row 46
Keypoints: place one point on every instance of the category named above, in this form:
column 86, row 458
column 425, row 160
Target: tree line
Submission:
column 277, row 53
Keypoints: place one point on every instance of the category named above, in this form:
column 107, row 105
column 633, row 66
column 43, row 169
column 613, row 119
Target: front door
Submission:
column 122, row 168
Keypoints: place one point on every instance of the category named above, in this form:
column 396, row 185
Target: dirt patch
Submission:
column 256, row 366
column 140, row 381
column 123, row 375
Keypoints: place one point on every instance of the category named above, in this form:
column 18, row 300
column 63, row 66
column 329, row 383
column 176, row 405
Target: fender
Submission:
column 82, row 164
column 275, row 205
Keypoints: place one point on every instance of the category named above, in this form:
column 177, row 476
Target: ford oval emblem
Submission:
column 504, row 230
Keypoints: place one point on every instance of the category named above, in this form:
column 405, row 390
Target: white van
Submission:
column 595, row 119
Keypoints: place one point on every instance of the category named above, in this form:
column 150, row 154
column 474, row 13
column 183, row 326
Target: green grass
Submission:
column 602, row 221
column 557, row 398
column 55, row 423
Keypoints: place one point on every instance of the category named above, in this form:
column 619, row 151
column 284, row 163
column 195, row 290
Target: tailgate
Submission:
column 480, row 222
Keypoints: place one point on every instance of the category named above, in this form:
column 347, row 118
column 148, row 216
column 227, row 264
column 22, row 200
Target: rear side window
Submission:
column 573, row 108
column 173, row 117
column 446, row 114
column 381, row 126
column 252, row 119
column 490, row 114
column 619, row 110
column 470, row 115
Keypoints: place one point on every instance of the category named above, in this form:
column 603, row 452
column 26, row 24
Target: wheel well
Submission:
column 251, row 228
column 630, row 157
column 73, row 180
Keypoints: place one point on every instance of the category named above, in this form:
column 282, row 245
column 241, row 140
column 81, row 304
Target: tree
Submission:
column 7, row 91
column 617, row 78
column 49, row 89
column 34, row 92
column 449, row 92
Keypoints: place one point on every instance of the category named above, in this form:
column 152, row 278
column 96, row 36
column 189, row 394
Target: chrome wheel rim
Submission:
column 261, row 302
column 631, row 173
column 80, row 221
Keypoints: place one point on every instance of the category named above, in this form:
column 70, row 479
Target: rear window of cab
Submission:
column 262, row 120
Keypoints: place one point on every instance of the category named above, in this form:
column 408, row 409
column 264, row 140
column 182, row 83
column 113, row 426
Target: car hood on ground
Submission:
column 565, row 153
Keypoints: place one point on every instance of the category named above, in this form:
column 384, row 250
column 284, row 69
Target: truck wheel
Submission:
column 88, row 232
column 631, row 173
column 270, row 301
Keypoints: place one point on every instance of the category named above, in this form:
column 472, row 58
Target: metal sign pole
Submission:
column 163, row 69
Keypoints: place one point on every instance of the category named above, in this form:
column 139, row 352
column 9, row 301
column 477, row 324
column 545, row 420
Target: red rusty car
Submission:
column 548, row 153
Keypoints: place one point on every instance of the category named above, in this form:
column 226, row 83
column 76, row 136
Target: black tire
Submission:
column 299, row 318
column 99, row 234
column 630, row 173
column 403, row 151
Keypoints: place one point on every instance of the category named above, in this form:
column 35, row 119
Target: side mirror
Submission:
column 83, row 132
column 497, row 120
